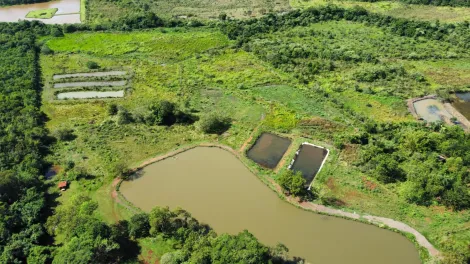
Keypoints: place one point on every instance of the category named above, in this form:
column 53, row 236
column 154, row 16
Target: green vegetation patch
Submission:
column 398, row 9
column 154, row 45
column 42, row 13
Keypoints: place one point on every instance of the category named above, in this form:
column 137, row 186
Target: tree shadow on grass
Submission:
column 334, row 202
column 128, row 249
column 133, row 175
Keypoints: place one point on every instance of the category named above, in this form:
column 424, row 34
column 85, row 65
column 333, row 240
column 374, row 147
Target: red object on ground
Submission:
column 62, row 185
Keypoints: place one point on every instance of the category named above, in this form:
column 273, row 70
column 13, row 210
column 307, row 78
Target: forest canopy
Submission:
column 22, row 199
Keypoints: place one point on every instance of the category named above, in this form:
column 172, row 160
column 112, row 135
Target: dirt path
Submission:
column 376, row 220
column 245, row 144
column 114, row 197
column 117, row 200
column 283, row 159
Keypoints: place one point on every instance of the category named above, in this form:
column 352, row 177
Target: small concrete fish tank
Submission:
column 268, row 150
column 309, row 160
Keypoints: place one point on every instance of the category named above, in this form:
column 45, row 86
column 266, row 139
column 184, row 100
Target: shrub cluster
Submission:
column 456, row 34
column 431, row 2
column 432, row 163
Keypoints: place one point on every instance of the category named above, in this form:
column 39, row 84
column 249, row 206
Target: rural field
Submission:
column 206, row 131
column 447, row 14
column 105, row 11
column 201, row 71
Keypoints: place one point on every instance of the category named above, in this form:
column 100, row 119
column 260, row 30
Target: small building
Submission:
column 63, row 185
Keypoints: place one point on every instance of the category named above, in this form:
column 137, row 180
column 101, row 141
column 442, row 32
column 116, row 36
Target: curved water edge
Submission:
column 68, row 12
column 382, row 222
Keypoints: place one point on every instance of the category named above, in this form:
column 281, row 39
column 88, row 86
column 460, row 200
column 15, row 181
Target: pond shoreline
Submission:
column 447, row 106
column 381, row 222
column 411, row 107
column 461, row 118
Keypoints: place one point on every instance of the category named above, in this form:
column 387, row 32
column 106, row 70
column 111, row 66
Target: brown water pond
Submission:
column 68, row 12
column 309, row 160
column 462, row 104
column 216, row 188
column 431, row 110
column 268, row 150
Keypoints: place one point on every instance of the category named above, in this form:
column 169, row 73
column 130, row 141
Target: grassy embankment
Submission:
column 83, row 10
column 397, row 9
column 42, row 13
column 200, row 72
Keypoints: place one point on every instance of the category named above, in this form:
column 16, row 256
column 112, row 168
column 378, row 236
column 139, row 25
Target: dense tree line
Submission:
column 20, row 2
column 431, row 2
column 22, row 134
column 243, row 31
column 88, row 240
column 127, row 23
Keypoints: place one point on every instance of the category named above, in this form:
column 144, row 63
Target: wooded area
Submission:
column 25, row 236
column 22, row 139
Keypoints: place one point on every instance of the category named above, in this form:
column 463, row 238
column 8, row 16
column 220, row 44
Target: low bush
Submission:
column 92, row 65
column 292, row 182
column 214, row 124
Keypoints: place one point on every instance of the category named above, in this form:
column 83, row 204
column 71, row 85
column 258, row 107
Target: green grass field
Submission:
column 397, row 9
column 199, row 71
column 43, row 13
column 83, row 12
